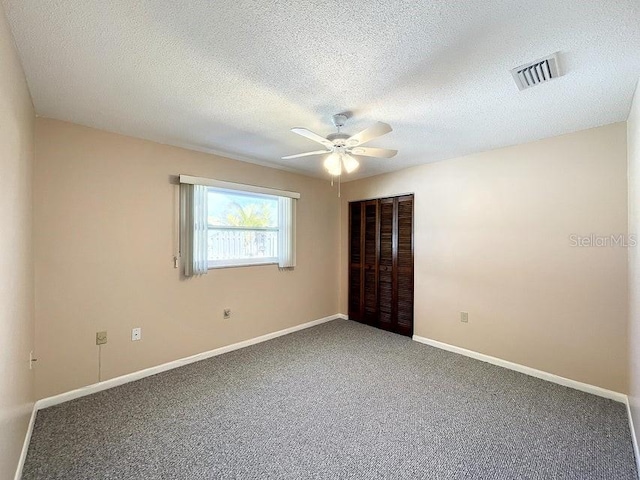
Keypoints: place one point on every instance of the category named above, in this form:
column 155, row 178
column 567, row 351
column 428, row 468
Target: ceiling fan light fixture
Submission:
column 340, row 146
column 333, row 164
column 350, row 163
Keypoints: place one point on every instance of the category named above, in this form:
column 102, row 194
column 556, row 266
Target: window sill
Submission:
column 236, row 265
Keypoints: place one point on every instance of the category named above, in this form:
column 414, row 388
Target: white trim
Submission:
column 210, row 182
column 131, row 377
column 550, row 377
column 25, row 445
column 634, row 440
column 241, row 262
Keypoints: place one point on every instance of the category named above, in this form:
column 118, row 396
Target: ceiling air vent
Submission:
column 535, row 73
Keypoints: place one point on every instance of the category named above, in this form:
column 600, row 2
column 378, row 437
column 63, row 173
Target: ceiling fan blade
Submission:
column 312, row 136
column 373, row 152
column 369, row 134
column 307, row 154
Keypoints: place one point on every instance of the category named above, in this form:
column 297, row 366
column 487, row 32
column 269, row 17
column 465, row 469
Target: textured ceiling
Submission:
column 234, row 76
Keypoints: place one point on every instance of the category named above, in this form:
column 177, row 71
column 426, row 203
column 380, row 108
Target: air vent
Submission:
column 535, row 73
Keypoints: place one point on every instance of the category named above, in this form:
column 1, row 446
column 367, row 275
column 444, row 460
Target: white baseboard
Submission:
column 25, row 445
column 147, row 372
column 550, row 377
column 634, row 440
column 131, row 377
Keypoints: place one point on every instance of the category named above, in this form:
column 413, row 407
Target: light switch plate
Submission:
column 464, row 317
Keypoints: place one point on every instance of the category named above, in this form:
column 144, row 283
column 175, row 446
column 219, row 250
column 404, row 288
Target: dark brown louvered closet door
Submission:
column 370, row 279
column 404, row 264
column 385, row 274
column 381, row 263
column 355, row 261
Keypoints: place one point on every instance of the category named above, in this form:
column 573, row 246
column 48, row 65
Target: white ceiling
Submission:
column 233, row 76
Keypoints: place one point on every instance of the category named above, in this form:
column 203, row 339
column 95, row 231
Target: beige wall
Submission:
column 633, row 151
column 16, row 265
column 105, row 235
column 492, row 238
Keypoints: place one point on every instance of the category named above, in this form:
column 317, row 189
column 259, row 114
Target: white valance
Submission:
column 210, row 182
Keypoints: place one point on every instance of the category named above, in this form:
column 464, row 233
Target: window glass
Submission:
column 242, row 228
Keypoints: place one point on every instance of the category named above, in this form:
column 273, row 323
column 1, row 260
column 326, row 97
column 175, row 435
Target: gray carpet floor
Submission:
column 337, row 401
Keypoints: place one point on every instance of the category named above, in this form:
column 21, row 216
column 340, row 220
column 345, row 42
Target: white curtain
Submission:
column 287, row 232
column 195, row 229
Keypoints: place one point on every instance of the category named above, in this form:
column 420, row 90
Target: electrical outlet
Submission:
column 226, row 313
column 101, row 338
column 464, row 317
column 136, row 334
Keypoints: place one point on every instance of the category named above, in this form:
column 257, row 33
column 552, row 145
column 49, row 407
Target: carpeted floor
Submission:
column 337, row 401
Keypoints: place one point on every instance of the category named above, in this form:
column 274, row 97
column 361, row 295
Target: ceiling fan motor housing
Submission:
column 339, row 120
column 338, row 138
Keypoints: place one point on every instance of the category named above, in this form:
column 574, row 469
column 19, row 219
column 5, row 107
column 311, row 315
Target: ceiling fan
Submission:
column 341, row 147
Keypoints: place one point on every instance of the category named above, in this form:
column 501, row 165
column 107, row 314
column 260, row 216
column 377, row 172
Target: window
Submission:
column 242, row 228
column 227, row 224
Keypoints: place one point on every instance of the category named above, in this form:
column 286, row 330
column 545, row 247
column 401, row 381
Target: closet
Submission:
column 381, row 263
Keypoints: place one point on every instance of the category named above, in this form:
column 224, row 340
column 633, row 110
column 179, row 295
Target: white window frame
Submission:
column 244, row 262
column 222, row 186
